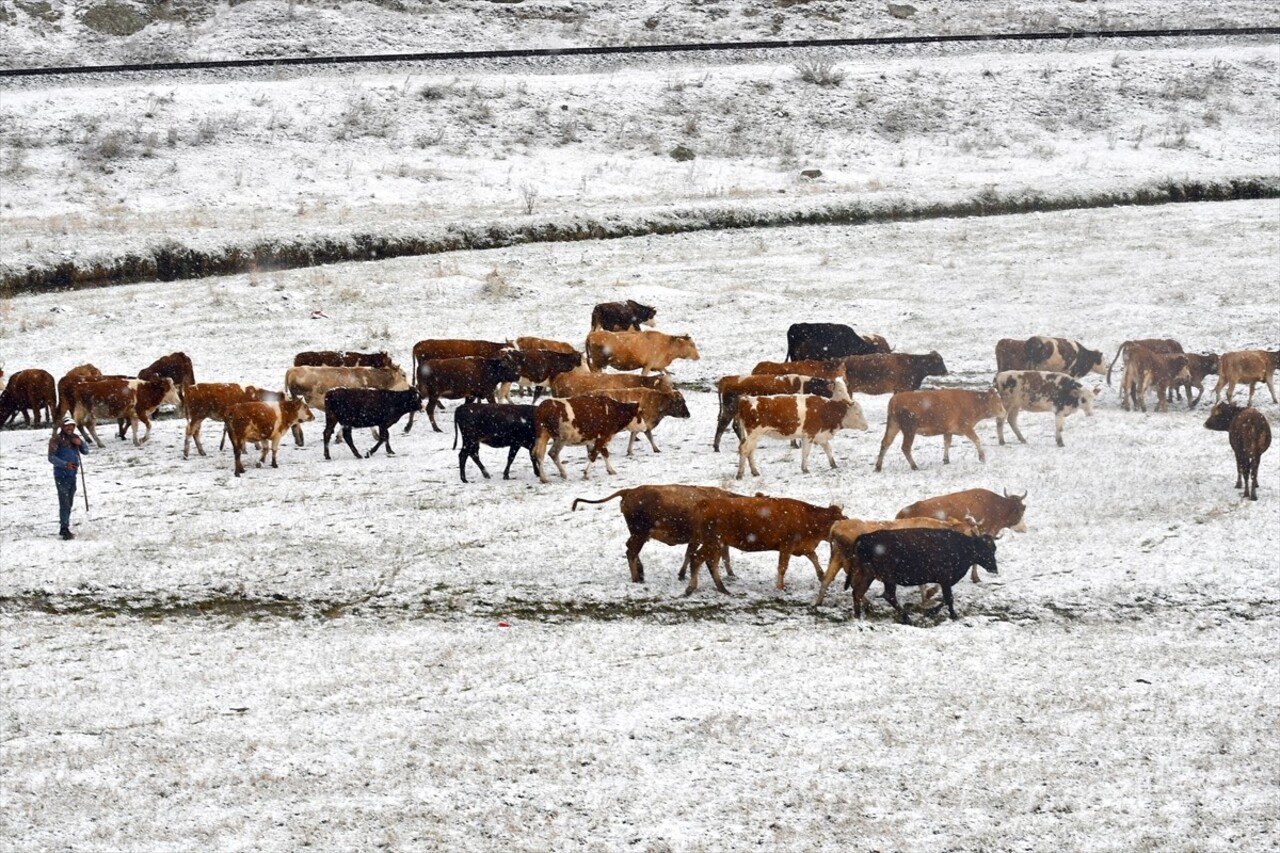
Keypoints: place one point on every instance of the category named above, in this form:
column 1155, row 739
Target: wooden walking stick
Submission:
column 84, row 487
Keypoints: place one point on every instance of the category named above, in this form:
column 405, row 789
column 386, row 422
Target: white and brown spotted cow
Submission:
column 590, row 420
column 1040, row 391
column 807, row 417
column 117, row 398
column 1060, row 355
column 264, row 423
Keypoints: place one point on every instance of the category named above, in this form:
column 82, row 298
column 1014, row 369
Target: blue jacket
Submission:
column 62, row 451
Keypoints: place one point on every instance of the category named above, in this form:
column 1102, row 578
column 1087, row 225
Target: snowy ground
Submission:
column 1113, row 688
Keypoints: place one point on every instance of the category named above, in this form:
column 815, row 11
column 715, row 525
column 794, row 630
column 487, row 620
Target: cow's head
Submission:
column 934, row 365
column 1221, row 416
column 1084, row 399
column 853, row 418
column 992, row 406
column 984, row 552
column 684, row 347
column 1015, row 508
column 674, row 405
column 1090, row 361
column 642, row 314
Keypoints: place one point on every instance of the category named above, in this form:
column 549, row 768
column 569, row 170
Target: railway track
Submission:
column 642, row 50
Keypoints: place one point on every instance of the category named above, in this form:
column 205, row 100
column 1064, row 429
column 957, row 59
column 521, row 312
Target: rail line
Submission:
column 650, row 49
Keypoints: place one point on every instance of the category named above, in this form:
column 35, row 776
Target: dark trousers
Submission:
column 66, row 497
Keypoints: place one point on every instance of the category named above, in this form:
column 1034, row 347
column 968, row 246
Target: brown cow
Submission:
column 729, row 389
column 811, row 419
column 1250, row 436
column 212, row 401
column 622, row 316
column 990, row 513
column 1252, row 366
column 1165, row 345
column 116, row 398
column 664, row 513
column 759, row 523
column 654, row 406
column 538, row 367
column 945, row 412
column 71, row 377
column 1199, row 365
column 344, row 358
column 831, row 368
column 430, row 348
column 892, row 372
column 590, row 420
column 1058, row 355
column 468, row 379
column 1145, row 369
column 574, row 384
column 31, row 390
column 644, row 351
column 548, row 344
column 177, row 367
column 264, row 423
column 844, row 533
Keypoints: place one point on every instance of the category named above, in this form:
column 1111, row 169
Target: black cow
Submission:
column 497, row 425
column 367, row 407
column 820, row 341
column 626, row 316
column 914, row 557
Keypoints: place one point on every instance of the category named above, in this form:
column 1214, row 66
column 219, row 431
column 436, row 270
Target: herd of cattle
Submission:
column 808, row 398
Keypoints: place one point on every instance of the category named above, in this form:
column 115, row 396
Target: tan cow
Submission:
column 573, row 384
column 758, row 523
column 945, row 412
column 654, row 406
column 264, row 423
column 830, row 368
column 659, row 512
column 590, row 420
column 807, row 417
column 1144, row 369
column 1251, row 366
column 644, row 351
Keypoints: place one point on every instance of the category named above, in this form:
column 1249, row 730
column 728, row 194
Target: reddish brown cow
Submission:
column 944, row 412
column 70, row 378
column 664, row 513
column 539, row 367
column 644, row 351
column 1250, row 436
column 455, row 348
column 759, row 523
column 264, row 423
column 990, row 513
column 116, row 398
column 831, row 368
column 730, row 389
column 590, row 420
column 344, row 358
column 29, row 391
column 892, row 372
column 1145, row 369
column 212, row 401
column 548, row 344
column 654, row 407
column 175, row 366
column 1251, row 366
column 573, row 384
column 468, row 379
column 809, row 418
column 1165, row 345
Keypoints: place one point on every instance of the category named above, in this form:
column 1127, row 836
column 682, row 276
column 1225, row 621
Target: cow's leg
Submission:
column 556, row 447
column 349, row 439
column 946, row 598
column 1253, row 385
column 1271, row 387
column 384, row 438
column 237, row 449
column 972, row 435
column 1162, row 397
column 695, row 558
column 891, row 596
column 946, row 448
column 1242, row 469
column 831, row 459
column 834, row 565
column 722, row 423
column 1013, row 425
column 861, row 583
column 747, row 456
column 784, row 558
column 432, row 402
column 631, row 441
column 908, row 441
column 805, row 445
column 635, row 542
column 890, row 433
column 1251, row 476
column 409, row 425
column 539, row 453
column 649, row 435
column 1058, row 421
column 268, row 446
column 296, row 429
column 186, row 441
column 714, row 567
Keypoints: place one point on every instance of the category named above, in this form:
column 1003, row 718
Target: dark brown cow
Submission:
column 1058, row 355
column 654, row 407
column 175, row 366
column 209, row 401
column 1251, row 366
column 116, row 398
column 468, row 379
column 664, row 513
column 1145, row 369
column 264, row 423
column 430, row 348
column 945, row 412
column 822, row 341
column 590, row 420
column 539, row 367
column 888, row 373
column 811, row 419
column 730, row 389
column 832, row 368
column 343, row 358
column 759, row 523
column 31, row 390
column 1250, row 436
column 622, row 316
column 1199, row 366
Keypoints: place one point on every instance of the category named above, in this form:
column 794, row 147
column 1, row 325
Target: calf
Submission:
column 1059, row 355
column 1251, row 366
column 468, row 379
column 367, row 407
column 622, row 316
column 1040, row 391
column 945, row 412
column 264, row 423
column 1250, row 436
column 1145, row 369
column 212, row 401
column 644, row 351
column 344, row 358
column 32, row 390
column 807, row 417
column 729, row 389
column 824, row 341
column 1199, row 366
column 496, row 425
column 654, row 406
column 759, row 523
column 590, row 420
column 664, row 513
column 915, row 557
column 888, row 373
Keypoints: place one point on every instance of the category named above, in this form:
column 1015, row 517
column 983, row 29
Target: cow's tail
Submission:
column 616, row 494
column 1124, row 346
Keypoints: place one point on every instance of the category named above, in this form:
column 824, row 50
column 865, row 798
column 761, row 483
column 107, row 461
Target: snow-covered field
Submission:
column 369, row 653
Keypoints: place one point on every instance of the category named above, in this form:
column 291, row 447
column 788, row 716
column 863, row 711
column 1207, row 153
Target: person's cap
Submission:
column 67, row 419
